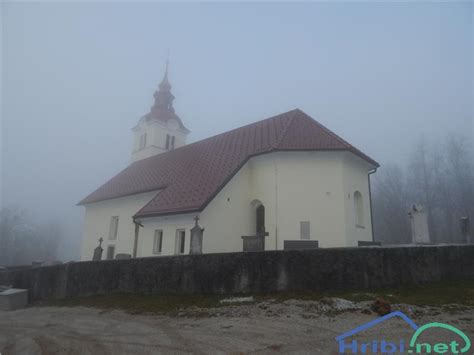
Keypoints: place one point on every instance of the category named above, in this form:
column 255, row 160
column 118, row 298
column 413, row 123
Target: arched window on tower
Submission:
column 167, row 141
column 172, row 142
column 142, row 141
column 359, row 209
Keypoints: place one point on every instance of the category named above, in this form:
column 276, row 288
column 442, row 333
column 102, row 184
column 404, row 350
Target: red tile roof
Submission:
column 189, row 177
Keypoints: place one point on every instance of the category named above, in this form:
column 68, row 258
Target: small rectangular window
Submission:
column 158, row 242
column 167, row 141
column 304, row 230
column 110, row 252
column 180, row 241
column 172, row 142
column 113, row 227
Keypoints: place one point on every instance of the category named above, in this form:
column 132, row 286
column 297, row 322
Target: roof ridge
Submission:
column 286, row 129
column 324, row 128
column 186, row 146
column 146, row 204
column 350, row 147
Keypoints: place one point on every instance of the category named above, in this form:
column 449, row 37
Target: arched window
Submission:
column 260, row 219
column 359, row 209
column 257, row 217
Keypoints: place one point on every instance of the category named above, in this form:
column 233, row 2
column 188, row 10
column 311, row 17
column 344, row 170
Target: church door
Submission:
column 256, row 242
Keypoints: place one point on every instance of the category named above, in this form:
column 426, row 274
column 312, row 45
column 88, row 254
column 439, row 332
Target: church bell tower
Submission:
column 160, row 130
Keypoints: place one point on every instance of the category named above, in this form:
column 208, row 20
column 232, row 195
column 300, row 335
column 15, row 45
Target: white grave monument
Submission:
column 419, row 225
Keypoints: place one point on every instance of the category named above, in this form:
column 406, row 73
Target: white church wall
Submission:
column 169, row 226
column 228, row 216
column 310, row 190
column 225, row 220
column 262, row 189
column 356, row 179
column 310, row 187
column 294, row 187
column 97, row 223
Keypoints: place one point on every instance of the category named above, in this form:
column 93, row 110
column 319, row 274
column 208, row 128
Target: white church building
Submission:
column 286, row 178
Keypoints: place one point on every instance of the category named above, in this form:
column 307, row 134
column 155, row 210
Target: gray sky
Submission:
column 76, row 78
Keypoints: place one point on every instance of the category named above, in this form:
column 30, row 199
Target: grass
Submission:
column 137, row 303
column 435, row 294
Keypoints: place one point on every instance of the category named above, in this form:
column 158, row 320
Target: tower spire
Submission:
column 167, row 63
column 163, row 97
column 163, row 127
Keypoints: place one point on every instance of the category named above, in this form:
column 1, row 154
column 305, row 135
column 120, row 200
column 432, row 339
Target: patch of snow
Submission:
column 338, row 304
column 237, row 300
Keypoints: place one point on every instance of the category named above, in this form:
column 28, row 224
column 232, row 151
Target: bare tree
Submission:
column 11, row 220
column 390, row 201
column 22, row 242
column 438, row 176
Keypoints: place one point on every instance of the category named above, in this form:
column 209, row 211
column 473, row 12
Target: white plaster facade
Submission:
column 301, row 186
column 97, row 220
column 155, row 141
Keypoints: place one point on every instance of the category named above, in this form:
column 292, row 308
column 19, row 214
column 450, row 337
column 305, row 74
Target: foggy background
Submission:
column 77, row 77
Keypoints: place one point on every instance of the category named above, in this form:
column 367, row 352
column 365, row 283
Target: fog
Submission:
column 77, row 77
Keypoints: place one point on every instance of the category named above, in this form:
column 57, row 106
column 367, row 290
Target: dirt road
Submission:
column 288, row 327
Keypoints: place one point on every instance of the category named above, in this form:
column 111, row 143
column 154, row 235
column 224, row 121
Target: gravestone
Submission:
column 98, row 251
column 122, row 256
column 365, row 243
column 196, row 238
column 466, row 230
column 253, row 243
column 419, row 225
column 300, row 244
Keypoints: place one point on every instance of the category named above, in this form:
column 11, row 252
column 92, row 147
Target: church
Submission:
column 285, row 181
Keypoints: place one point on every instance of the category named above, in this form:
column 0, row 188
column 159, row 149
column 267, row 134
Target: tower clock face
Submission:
column 173, row 124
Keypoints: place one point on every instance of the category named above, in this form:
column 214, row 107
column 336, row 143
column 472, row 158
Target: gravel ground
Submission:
column 292, row 326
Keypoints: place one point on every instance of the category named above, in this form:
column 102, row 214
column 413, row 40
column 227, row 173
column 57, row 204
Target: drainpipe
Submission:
column 277, row 219
column 135, row 241
column 370, row 202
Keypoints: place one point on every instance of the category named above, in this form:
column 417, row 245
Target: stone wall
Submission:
column 252, row 272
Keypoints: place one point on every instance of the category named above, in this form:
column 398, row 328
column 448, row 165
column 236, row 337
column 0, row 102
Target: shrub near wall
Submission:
column 250, row 272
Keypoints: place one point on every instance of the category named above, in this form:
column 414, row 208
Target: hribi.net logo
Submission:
column 459, row 344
